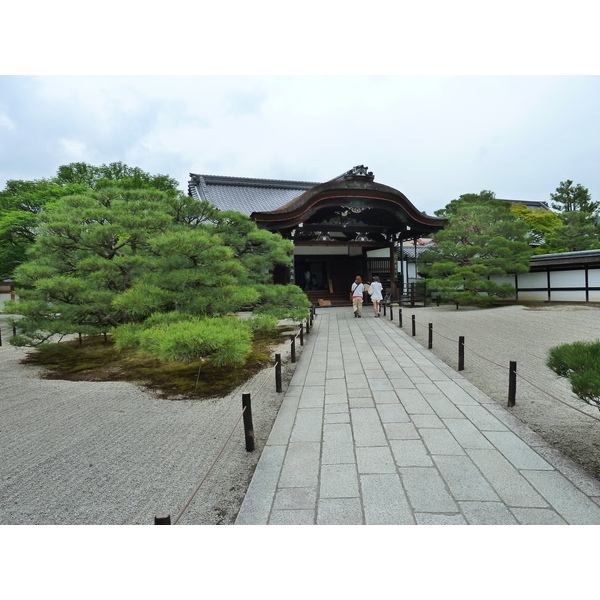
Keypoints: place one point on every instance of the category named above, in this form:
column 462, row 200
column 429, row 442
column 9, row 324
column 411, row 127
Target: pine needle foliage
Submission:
column 579, row 362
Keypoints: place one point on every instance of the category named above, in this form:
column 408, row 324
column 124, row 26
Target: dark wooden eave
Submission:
column 352, row 191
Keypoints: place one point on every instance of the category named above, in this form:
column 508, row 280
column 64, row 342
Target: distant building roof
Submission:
column 244, row 194
column 533, row 204
column 582, row 257
column 410, row 251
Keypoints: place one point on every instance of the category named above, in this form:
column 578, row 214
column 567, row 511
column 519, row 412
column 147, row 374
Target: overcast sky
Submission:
column 433, row 137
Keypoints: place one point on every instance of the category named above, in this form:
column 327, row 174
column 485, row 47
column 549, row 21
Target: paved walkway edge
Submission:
column 375, row 429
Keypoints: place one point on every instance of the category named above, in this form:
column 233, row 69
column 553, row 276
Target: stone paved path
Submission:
column 374, row 429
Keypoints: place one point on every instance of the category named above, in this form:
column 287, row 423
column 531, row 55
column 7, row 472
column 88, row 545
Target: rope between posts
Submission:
column 175, row 521
column 438, row 334
column 265, row 379
column 266, row 376
column 537, row 387
column 519, row 376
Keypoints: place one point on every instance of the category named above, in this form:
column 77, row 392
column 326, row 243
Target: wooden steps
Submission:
column 336, row 298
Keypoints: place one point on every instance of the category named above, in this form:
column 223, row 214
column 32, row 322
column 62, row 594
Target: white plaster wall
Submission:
column 594, row 277
column 533, row 296
column 3, row 298
column 532, row 280
column 567, row 279
column 567, row 296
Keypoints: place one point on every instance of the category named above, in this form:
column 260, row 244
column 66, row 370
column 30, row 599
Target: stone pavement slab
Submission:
column 375, row 430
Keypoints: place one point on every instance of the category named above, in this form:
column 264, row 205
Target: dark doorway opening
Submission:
column 312, row 275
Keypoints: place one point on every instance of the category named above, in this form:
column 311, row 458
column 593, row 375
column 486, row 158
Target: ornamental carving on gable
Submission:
column 359, row 171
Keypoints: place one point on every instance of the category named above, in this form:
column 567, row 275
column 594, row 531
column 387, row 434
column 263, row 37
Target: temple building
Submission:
column 347, row 226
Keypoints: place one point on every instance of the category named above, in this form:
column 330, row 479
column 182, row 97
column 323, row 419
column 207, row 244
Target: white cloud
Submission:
column 431, row 137
column 73, row 150
column 5, row 122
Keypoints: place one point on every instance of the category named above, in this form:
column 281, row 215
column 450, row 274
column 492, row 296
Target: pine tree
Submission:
column 580, row 220
column 483, row 239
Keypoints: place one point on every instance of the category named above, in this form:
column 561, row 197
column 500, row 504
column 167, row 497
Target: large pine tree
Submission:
column 579, row 228
column 483, row 239
column 155, row 267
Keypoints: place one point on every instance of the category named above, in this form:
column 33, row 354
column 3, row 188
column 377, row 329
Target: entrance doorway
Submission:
column 328, row 274
column 312, row 275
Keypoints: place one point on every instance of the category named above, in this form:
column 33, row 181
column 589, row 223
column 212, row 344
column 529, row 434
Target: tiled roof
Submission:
column 246, row 195
column 409, row 251
column 529, row 203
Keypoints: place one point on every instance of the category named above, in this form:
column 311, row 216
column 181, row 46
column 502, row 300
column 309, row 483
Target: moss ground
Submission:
column 98, row 360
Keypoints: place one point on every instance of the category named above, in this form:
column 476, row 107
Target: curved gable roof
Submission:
column 354, row 188
column 282, row 204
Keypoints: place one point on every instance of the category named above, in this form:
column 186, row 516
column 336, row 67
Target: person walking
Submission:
column 376, row 294
column 357, row 296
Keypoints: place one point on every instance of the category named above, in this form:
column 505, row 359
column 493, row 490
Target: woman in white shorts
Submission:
column 376, row 294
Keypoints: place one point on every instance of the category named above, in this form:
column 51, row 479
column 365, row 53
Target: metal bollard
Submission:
column 278, row 387
column 301, row 335
column 461, row 353
column 399, row 317
column 391, row 313
column 162, row 519
column 248, row 427
column 430, row 339
column 512, row 383
column 293, row 348
column 414, row 326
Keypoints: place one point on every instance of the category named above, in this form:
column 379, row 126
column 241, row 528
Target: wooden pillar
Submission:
column 415, row 239
column 393, row 284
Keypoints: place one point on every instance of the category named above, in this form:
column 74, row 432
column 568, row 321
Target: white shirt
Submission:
column 357, row 290
column 377, row 289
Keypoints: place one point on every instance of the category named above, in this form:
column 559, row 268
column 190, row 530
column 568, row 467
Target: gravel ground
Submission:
column 111, row 453
column 494, row 337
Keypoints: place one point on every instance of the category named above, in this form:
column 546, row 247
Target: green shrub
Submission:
column 227, row 341
column 579, row 362
column 263, row 324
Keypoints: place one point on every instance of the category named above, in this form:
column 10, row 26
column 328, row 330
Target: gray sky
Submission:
column 431, row 136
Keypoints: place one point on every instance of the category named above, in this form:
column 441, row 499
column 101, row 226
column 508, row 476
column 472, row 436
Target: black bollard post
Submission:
column 430, row 341
column 384, row 309
column 399, row 317
column 248, row 427
column 0, row 336
column 301, row 335
column 162, row 519
column 512, row 383
column 391, row 313
column 461, row 353
column 307, row 326
column 293, row 348
column 278, row 387
column 414, row 326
